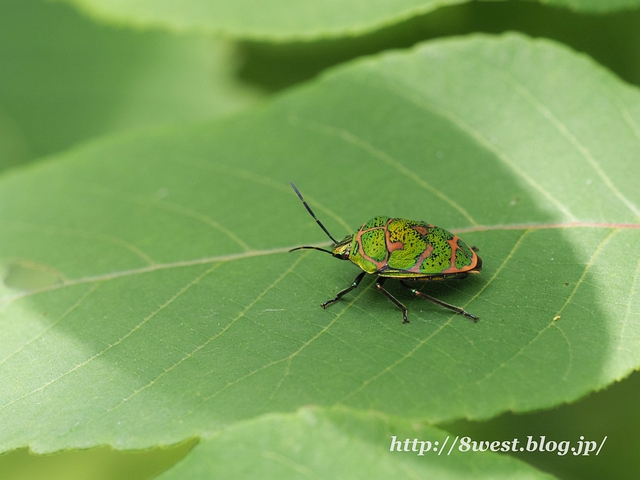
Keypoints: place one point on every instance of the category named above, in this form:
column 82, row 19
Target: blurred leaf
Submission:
column 171, row 307
column 65, row 79
column 275, row 20
column 102, row 463
column 14, row 147
column 288, row 20
column 613, row 40
column 338, row 443
column 595, row 6
column 611, row 413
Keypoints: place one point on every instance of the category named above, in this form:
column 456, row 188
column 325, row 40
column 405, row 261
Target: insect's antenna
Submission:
column 311, row 248
column 313, row 215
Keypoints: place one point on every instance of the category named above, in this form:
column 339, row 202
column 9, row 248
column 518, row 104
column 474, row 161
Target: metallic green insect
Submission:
column 402, row 249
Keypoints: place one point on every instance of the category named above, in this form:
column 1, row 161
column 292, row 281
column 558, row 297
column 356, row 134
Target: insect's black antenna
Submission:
column 313, row 214
column 311, row 248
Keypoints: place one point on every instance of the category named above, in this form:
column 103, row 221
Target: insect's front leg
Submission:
column 379, row 284
column 342, row 293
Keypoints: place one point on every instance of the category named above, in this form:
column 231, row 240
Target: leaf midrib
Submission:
column 273, row 251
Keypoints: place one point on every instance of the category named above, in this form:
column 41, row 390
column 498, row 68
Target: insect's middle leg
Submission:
column 342, row 293
column 379, row 284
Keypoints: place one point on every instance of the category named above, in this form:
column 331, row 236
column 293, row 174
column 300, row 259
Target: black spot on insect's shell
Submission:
column 380, row 221
column 374, row 244
column 440, row 258
column 463, row 255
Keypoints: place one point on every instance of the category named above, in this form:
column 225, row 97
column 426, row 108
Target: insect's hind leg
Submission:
column 379, row 284
column 342, row 293
column 458, row 310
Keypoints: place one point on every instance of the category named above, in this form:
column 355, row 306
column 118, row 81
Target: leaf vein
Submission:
column 211, row 339
column 117, row 342
column 552, row 322
column 566, row 133
column 415, row 97
column 385, row 158
column 66, row 313
column 424, row 341
column 625, row 321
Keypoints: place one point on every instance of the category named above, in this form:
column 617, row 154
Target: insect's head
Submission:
column 340, row 249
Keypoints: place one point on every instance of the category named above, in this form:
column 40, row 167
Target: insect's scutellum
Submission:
column 405, row 250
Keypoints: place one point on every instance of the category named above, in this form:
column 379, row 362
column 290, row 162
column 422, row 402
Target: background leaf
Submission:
column 595, row 5
column 149, row 296
column 311, row 442
column 101, row 463
column 286, row 19
column 274, row 20
column 610, row 414
column 65, row 79
column 613, row 40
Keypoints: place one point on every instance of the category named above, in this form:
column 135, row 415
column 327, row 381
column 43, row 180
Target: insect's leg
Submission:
column 379, row 284
column 459, row 310
column 345, row 291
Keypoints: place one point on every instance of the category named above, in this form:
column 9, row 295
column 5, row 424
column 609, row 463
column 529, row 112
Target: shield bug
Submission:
column 403, row 249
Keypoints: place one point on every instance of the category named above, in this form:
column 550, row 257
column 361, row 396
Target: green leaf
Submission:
column 279, row 20
column 288, row 19
column 149, row 295
column 100, row 463
column 595, row 6
column 318, row 443
column 65, row 79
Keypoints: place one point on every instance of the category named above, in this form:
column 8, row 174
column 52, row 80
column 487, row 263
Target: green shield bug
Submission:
column 402, row 249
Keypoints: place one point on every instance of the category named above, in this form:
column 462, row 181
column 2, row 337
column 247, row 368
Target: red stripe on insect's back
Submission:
column 474, row 261
column 454, row 254
column 423, row 256
column 474, row 256
column 380, row 264
column 391, row 246
column 420, row 229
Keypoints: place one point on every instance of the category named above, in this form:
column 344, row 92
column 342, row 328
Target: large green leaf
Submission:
column 65, row 79
column 288, row 19
column 338, row 443
column 149, row 295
